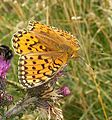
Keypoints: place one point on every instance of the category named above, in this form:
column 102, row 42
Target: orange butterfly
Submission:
column 43, row 51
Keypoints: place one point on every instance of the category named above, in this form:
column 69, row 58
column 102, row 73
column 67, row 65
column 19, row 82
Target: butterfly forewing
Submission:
column 25, row 42
column 54, row 39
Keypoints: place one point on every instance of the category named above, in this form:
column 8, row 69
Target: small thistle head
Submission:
column 9, row 98
column 1, row 96
column 65, row 91
column 5, row 98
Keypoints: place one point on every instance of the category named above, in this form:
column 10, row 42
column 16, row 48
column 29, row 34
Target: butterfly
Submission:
column 43, row 51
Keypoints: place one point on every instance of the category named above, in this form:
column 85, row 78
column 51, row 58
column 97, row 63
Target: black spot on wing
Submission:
column 34, row 62
column 46, row 60
column 34, row 68
column 27, row 40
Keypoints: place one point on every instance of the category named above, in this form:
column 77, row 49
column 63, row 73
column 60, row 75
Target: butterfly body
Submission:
column 43, row 53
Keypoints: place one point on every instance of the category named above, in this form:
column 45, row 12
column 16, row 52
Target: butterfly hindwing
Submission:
column 36, row 69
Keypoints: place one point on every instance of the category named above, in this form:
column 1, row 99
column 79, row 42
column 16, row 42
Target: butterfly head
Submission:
column 75, row 48
column 72, row 48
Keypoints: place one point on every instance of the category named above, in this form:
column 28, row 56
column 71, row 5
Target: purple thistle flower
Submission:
column 65, row 91
column 5, row 98
column 5, row 59
column 5, row 62
column 9, row 98
column 4, row 66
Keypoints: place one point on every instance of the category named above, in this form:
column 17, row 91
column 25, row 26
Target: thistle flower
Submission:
column 5, row 62
column 5, row 98
column 4, row 66
column 65, row 91
column 8, row 98
column 5, row 59
column 49, row 104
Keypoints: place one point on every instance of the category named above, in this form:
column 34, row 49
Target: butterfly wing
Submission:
column 43, row 38
column 38, row 68
column 24, row 42
column 54, row 39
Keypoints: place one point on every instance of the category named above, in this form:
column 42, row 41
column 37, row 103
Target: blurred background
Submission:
column 91, row 22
